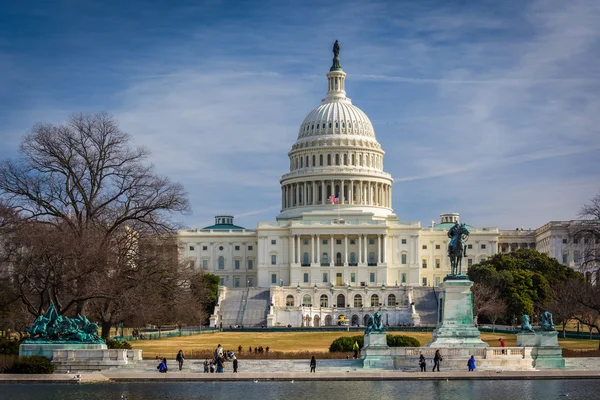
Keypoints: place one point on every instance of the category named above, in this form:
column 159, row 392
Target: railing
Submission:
column 244, row 304
column 464, row 352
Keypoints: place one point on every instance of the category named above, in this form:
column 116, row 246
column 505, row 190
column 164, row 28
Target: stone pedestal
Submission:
column 455, row 325
column 546, row 352
column 46, row 349
column 376, row 353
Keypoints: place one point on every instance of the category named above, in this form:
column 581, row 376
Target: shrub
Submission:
column 345, row 343
column 6, row 362
column 9, row 347
column 114, row 344
column 32, row 365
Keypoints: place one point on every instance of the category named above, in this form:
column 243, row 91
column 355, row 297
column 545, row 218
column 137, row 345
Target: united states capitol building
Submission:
column 337, row 252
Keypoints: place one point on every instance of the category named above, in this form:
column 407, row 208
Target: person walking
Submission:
column 220, row 364
column 206, row 366
column 313, row 364
column 180, row 359
column 502, row 345
column 355, row 348
column 437, row 358
column 423, row 363
column 471, row 364
column 235, row 364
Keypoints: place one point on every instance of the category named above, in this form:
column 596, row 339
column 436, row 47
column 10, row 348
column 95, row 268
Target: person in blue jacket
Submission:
column 471, row 363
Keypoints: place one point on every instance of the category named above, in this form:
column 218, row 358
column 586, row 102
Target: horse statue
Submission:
column 546, row 322
column 375, row 323
column 526, row 326
column 457, row 249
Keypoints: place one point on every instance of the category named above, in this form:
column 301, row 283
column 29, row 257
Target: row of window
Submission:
column 236, row 248
column 366, row 160
column 437, row 246
column 221, row 263
column 341, row 301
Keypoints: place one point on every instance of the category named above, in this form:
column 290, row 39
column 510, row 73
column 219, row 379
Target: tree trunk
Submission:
column 564, row 329
column 106, row 325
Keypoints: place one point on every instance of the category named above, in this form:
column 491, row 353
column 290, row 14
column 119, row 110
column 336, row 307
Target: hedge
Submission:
column 114, row 344
column 345, row 343
column 32, row 365
column 9, row 347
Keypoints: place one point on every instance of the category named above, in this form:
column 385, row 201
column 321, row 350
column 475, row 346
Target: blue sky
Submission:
column 487, row 108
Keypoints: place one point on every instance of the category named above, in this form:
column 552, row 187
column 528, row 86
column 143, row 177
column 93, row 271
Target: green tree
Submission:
column 523, row 279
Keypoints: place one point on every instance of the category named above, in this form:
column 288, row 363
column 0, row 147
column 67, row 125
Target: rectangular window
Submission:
column 306, row 278
column 403, row 241
column 565, row 257
column 221, row 281
column 324, row 241
column 469, row 262
column 403, row 258
column 353, row 277
column 273, row 259
column 352, row 241
column 338, row 241
column 273, row 241
column 305, row 241
column 249, row 264
column 191, row 248
column 274, row 278
column 236, row 281
column 437, row 263
column 403, row 277
column 372, row 277
column 424, row 281
column 437, row 246
column 250, row 248
column 205, row 263
column 437, row 281
column 371, row 241
column 576, row 256
column 576, row 241
column 325, row 277
column 424, row 263
column 469, row 246
column 424, row 247
column 564, row 241
column 483, row 247
column 204, row 248
column 237, row 264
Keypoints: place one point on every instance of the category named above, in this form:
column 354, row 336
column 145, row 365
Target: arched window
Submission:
column 306, row 162
column 345, row 159
column 324, row 301
column 301, row 162
column 353, row 160
column 314, row 160
column 392, row 300
column 325, row 258
column 330, row 125
column 338, row 259
column 358, row 301
column 341, row 301
column 321, row 160
column 353, row 258
column 337, row 159
column 305, row 259
column 328, row 159
column 374, row 300
column 371, row 258
column 289, row 301
column 306, row 300
column 221, row 262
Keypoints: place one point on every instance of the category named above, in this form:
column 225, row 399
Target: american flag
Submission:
column 333, row 199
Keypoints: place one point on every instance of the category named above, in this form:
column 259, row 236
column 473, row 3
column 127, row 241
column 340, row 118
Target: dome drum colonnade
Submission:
column 336, row 154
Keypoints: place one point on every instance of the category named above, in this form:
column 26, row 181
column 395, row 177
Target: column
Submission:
column 360, row 193
column 314, row 193
column 345, row 250
column 366, row 255
column 297, row 192
column 378, row 248
column 293, row 261
column 385, row 248
column 323, row 195
column 299, row 253
column 359, row 249
column 312, row 249
column 351, row 193
column 332, row 257
column 342, row 192
column 318, row 249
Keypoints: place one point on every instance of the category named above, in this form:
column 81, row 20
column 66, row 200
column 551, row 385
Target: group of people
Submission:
column 437, row 359
column 217, row 363
column 162, row 366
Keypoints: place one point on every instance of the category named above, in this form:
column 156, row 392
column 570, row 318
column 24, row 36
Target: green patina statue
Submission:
column 375, row 324
column 336, row 57
column 526, row 326
column 546, row 322
column 457, row 249
column 54, row 328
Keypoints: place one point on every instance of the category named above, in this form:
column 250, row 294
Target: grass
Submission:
column 293, row 342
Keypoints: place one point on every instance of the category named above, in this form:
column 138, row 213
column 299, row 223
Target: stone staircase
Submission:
column 232, row 307
column 426, row 304
column 257, row 307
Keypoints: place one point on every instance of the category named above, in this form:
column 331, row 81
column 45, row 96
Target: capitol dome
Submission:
column 336, row 158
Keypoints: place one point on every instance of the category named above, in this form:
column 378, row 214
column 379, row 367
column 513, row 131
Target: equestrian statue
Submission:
column 457, row 248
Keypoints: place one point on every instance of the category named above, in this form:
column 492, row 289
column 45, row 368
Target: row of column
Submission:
column 361, row 248
column 349, row 192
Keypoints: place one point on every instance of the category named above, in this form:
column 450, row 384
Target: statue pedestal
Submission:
column 376, row 353
column 455, row 323
column 46, row 349
column 546, row 352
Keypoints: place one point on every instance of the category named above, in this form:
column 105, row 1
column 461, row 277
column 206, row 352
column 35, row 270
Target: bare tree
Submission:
column 84, row 196
column 563, row 304
column 487, row 301
column 586, row 233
